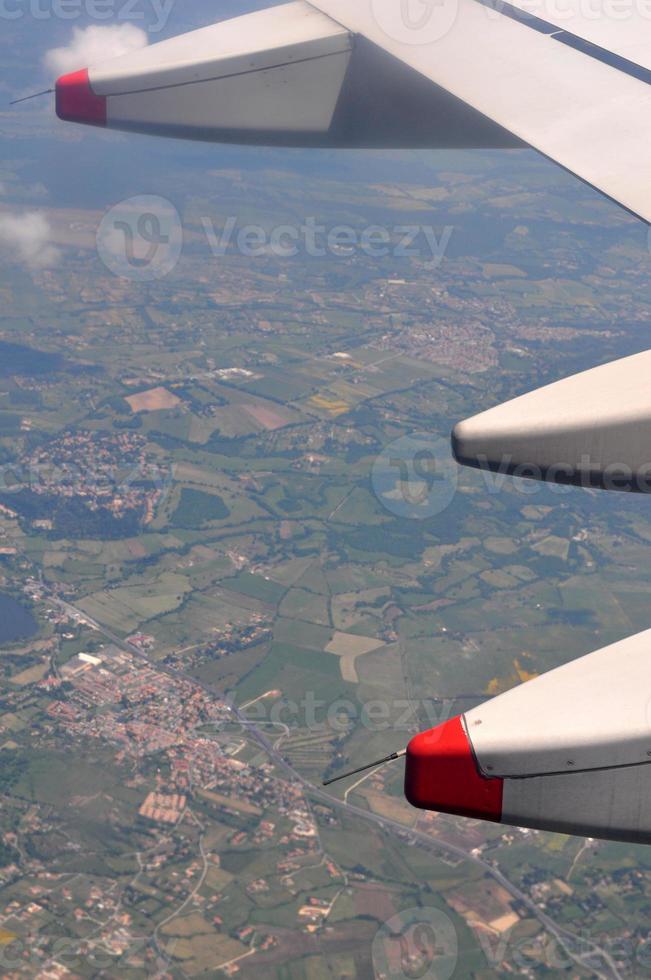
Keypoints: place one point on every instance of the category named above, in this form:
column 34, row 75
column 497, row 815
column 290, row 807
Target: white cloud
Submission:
column 28, row 237
column 92, row 45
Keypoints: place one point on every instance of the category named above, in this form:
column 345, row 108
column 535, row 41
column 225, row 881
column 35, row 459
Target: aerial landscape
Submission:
column 236, row 557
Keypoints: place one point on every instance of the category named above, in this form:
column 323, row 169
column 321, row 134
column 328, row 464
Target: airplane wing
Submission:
column 573, row 84
column 568, row 751
column 592, row 430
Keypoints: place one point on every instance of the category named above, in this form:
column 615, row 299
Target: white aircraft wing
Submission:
column 567, row 752
column 592, row 430
column 574, row 84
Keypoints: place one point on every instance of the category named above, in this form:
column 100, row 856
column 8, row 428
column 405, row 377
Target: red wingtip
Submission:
column 442, row 775
column 76, row 101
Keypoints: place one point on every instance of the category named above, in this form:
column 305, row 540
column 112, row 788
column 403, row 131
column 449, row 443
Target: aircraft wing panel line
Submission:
column 627, row 37
column 575, row 41
column 137, row 90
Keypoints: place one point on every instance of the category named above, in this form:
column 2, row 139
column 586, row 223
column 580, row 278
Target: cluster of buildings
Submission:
column 113, row 696
column 107, row 470
column 229, row 639
column 163, row 808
